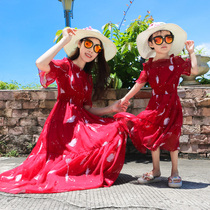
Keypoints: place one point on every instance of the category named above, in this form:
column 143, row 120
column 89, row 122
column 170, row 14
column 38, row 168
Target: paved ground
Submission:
column 125, row 193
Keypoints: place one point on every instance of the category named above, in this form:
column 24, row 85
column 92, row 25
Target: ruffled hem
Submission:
column 145, row 134
column 97, row 168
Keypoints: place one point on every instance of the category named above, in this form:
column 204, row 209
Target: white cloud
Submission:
column 205, row 48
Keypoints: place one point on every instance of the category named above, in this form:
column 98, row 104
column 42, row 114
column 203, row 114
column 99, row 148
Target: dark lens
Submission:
column 88, row 43
column 169, row 39
column 158, row 40
column 97, row 48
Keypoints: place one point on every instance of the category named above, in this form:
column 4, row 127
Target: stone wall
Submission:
column 23, row 113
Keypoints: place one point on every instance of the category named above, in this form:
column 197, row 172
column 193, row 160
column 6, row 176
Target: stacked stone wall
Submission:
column 23, row 114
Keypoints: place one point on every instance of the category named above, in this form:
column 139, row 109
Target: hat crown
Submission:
column 91, row 29
column 178, row 44
column 156, row 24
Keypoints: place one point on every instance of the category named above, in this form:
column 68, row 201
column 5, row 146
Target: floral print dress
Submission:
column 76, row 150
column 160, row 124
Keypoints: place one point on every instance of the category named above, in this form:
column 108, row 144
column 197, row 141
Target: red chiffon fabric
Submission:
column 76, row 150
column 160, row 124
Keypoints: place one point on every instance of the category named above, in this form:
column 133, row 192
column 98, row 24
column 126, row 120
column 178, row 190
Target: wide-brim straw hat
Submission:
column 108, row 46
column 180, row 37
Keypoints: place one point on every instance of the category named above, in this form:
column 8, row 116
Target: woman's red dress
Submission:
column 76, row 150
column 160, row 124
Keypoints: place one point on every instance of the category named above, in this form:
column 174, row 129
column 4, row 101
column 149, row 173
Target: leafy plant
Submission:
column 9, row 86
column 12, row 153
column 127, row 63
column 198, row 51
column 114, row 81
column 202, row 80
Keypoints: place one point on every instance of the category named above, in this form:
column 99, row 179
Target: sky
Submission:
column 27, row 28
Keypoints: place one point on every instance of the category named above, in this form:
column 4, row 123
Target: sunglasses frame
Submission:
column 86, row 39
column 164, row 39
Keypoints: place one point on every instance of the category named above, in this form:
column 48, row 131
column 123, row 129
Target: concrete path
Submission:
column 125, row 193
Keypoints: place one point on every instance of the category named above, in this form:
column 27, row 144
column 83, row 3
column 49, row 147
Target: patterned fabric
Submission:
column 76, row 150
column 160, row 124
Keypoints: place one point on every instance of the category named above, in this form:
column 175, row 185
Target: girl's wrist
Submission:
column 191, row 53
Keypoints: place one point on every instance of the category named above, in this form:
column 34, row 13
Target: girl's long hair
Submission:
column 99, row 70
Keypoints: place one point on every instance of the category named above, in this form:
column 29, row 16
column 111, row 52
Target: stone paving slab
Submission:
column 125, row 193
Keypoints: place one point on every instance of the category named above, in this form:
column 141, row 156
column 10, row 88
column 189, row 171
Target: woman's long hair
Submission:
column 99, row 70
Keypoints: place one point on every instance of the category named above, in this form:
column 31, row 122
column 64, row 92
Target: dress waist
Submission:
column 164, row 91
column 71, row 102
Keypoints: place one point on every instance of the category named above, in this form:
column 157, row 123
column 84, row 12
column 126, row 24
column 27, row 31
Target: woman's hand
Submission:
column 120, row 106
column 68, row 33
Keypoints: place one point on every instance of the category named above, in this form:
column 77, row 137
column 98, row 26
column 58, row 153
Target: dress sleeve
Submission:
column 185, row 65
column 143, row 75
column 57, row 67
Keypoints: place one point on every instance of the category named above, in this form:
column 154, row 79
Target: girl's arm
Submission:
column 43, row 61
column 190, row 49
column 118, row 106
column 135, row 89
column 115, row 107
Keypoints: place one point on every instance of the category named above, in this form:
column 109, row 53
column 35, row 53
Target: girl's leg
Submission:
column 174, row 161
column 174, row 180
column 156, row 162
column 154, row 175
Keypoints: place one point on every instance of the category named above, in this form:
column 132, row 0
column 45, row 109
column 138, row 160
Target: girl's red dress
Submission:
column 160, row 124
column 76, row 150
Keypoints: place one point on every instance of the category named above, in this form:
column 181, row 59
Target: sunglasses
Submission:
column 159, row 39
column 88, row 44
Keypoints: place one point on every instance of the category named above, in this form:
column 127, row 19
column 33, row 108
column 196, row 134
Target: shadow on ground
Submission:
column 187, row 185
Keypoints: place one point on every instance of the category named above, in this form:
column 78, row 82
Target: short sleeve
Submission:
column 186, row 67
column 57, row 67
column 143, row 76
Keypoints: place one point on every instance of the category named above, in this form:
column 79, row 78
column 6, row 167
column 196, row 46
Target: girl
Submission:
column 159, row 126
column 77, row 149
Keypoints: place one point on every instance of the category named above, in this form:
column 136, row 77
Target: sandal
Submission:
column 175, row 181
column 148, row 178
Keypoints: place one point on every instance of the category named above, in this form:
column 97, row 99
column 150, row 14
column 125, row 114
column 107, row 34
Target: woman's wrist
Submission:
column 65, row 40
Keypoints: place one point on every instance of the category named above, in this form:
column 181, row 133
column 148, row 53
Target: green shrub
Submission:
column 9, row 86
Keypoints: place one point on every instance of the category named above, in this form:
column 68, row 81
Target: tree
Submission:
column 127, row 63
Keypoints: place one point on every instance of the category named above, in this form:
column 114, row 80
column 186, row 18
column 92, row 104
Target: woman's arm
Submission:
column 43, row 61
column 118, row 106
column 115, row 107
column 190, row 49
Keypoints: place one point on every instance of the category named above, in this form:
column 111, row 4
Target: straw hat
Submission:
column 180, row 37
column 108, row 46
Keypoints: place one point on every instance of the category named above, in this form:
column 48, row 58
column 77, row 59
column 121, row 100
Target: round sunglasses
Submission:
column 160, row 39
column 88, row 44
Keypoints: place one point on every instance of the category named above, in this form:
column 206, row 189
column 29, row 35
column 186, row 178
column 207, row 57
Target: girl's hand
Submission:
column 68, row 33
column 124, row 104
column 190, row 46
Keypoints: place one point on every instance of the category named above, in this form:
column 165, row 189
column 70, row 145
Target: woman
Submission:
column 77, row 149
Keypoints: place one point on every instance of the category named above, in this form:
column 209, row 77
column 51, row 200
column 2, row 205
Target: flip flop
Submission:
column 175, row 181
column 148, row 178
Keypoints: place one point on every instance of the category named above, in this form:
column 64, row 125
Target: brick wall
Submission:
column 23, row 113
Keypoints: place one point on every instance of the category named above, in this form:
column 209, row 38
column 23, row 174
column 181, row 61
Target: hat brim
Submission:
column 180, row 37
column 108, row 46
